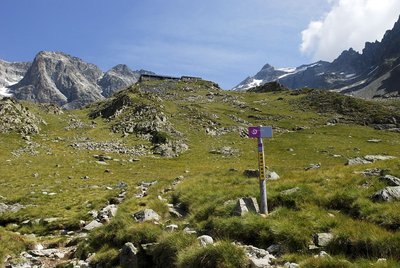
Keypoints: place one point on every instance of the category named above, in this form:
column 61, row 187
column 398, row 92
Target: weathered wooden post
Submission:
column 261, row 132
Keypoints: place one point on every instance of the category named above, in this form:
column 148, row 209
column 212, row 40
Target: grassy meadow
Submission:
column 334, row 198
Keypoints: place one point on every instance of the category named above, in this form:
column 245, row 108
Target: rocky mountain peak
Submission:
column 121, row 68
column 372, row 73
column 55, row 77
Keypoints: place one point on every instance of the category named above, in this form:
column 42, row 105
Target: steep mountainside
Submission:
column 373, row 73
column 11, row 73
column 62, row 79
column 55, row 77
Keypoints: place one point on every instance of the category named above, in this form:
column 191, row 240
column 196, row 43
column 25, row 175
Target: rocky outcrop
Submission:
column 387, row 194
column 391, row 180
column 14, row 117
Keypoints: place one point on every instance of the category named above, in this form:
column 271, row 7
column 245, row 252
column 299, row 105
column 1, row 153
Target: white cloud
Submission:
column 349, row 23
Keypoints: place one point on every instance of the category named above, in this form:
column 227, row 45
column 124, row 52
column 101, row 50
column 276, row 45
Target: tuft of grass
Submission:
column 223, row 254
column 165, row 253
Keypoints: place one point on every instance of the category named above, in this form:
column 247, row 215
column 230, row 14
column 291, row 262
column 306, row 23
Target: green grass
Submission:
column 330, row 199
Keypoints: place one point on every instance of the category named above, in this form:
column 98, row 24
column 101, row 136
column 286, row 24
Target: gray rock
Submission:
column 272, row 175
column 371, row 172
column 128, row 256
column 357, row 161
column 322, row 239
column 374, row 141
column 92, row 225
column 171, row 227
column 109, row 211
column 374, row 158
column 391, row 180
column 189, row 231
column 322, row 254
column 245, row 205
column 313, row 166
column 205, row 240
column 10, row 208
column 275, row 249
column 258, row 257
column 226, row 151
column 259, row 263
column 387, row 194
column 146, row 215
column 290, row 191
column 291, row 265
column 368, row 159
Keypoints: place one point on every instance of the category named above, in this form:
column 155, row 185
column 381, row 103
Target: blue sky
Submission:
column 219, row 40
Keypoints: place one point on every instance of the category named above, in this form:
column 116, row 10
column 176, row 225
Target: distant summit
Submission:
column 373, row 73
column 56, row 77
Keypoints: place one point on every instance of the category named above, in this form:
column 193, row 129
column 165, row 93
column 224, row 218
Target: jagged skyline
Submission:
column 223, row 41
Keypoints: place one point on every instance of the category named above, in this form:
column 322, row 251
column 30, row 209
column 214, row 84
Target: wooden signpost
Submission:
column 261, row 132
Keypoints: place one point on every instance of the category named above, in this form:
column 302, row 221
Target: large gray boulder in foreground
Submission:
column 387, row 194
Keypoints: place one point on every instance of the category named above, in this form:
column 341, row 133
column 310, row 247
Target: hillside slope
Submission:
column 180, row 148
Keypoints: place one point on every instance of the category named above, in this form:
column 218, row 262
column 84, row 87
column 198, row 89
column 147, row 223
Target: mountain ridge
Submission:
column 63, row 79
column 369, row 74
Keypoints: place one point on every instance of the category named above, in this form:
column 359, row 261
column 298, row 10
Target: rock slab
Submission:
column 245, row 205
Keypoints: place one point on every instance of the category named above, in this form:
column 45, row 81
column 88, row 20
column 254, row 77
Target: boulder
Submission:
column 128, row 256
column 391, row 180
column 275, row 249
column 322, row 239
column 205, row 240
column 245, row 205
column 146, row 215
column 258, row 257
column 259, row 263
column 108, row 211
column 387, row 194
column 272, row 175
column 92, row 225
column 357, row 161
